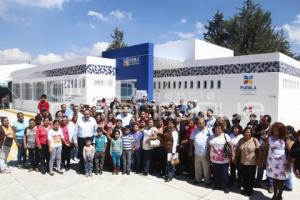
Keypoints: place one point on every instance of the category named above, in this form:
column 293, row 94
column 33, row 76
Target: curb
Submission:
column 15, row 112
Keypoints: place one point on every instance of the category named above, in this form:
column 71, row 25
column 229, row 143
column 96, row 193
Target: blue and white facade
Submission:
column 190, row 70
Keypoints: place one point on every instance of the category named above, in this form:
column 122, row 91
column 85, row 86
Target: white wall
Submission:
column 205, row 50
column 229, row 99
column 289, row 95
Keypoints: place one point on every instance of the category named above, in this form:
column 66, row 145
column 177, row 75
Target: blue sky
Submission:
column 43, row 31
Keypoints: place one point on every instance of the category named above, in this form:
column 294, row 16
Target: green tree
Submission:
column 216, row 32
column 249, row 31
column 118, row 39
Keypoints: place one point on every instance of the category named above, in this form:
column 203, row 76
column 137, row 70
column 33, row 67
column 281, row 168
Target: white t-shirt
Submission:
column 55, row 137
column 235, row 139
column 200, row 139
column 147, row 133
column 217, row 154
column 125, row 119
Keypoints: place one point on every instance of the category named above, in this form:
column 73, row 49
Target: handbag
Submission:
column 175, row 159
column 227, row 149
column 154, row 143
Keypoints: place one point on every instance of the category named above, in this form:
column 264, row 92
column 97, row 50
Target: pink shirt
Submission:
column 66, row 134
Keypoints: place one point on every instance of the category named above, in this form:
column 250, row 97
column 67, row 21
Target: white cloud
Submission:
column 43, row 59
column 13, row 56
column 114, row 14
column 120, row 15
column 183, row 20
column 200, row 28
column 37, row 3
column 293, row 30
column 97, row 15
column 92, row 26
column 184, row 35
column 98, row 48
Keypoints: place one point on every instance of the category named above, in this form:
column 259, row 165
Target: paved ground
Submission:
column 25, row 185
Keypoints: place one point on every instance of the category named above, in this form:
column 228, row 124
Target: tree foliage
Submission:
column 118, row 39
column 249, row 31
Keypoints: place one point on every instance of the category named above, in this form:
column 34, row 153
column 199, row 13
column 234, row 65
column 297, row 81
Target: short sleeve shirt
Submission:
column 217, row 154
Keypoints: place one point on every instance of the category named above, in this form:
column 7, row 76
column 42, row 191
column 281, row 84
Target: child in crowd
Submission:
column 136, row 158
column 88, row 156
column 43, row 104
column 128, row 148
column 116, row 150
column 100, row 146
column 55, row 140
column 30, row 144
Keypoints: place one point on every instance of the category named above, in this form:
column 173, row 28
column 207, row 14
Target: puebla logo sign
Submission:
column 248, row 87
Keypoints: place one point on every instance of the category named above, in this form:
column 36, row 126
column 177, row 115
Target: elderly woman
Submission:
column 248, row 156
column 219, row 158
column 275, row 151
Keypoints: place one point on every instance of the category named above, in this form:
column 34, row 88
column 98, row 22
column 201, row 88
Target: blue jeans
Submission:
column 288, row 183
column 88, row 165
column 21, row 152
column 221, row 177
column 136, row 160
column 116, row 156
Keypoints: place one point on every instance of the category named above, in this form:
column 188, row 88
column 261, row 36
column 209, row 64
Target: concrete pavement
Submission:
column 21, row 184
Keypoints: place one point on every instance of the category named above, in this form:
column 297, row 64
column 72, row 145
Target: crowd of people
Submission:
column 168, row 141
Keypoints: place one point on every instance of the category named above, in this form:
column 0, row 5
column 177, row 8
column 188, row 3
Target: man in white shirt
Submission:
column 210, row 119
column 86, row 127
column 125, row 117
column 199, row 139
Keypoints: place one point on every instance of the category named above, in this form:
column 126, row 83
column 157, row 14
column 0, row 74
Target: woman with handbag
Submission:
column 221, row 153
column 170, row 140
column 7, row 136
column 248, row 154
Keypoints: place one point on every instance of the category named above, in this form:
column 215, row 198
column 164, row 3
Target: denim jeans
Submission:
column 4, row 151
column 55, row 155
column 99, row 161
column 126, row 160
column 147, row 154
column 88, row 165
column 136, row 160
column 33, row 158
column 116, row 156
column 220, row 173
column 21, row 152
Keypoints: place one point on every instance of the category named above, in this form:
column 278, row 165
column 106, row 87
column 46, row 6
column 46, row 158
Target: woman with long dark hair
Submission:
column 248, row 157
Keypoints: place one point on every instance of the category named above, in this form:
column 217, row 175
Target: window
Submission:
column 198, row 84
column 39, row 89
column 83, row 83
column 154, row 85
column 205, row 85
column 191, row 85
column 211, row 84
column 75, row 83
column 165, row 85
column 55, row 91
column 27, row 91
column 16, row 91
column 179, row 84
column 219, row 84
column 174, row 84
column 158, row 85
column 185, row 84
column 169, row 84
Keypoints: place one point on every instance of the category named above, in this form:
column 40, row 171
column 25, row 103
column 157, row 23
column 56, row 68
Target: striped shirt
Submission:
column 127, row 142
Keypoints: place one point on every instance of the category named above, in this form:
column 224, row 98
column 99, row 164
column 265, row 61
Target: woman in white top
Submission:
column 218, row 158
column 149, row 134
column 170, row 140
column 235, row 137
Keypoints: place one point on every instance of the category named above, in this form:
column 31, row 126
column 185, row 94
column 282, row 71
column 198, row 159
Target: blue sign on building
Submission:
column 134, row 63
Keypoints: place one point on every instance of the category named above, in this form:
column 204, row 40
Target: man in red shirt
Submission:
column 43, row 103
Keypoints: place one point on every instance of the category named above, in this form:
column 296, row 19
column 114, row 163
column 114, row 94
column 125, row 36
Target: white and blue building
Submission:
column 189, row 69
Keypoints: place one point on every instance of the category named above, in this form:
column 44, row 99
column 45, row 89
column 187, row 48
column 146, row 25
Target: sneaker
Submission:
column 91, row 174
column 87, row 175
column 226, row 190
column 128, row 173
column 60, row 171
column 51, row 173
column 30, row 169
column 101, row 172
